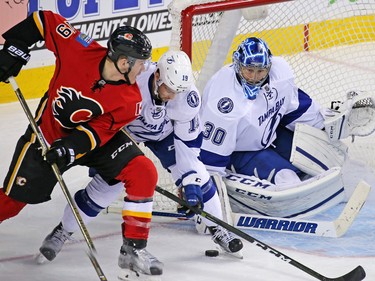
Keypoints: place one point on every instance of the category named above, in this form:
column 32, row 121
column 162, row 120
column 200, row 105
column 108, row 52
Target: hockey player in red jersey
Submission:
column 92, row 95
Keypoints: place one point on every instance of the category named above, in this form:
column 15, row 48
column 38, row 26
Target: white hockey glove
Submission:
column 354, row 117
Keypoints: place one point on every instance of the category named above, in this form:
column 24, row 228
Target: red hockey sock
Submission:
column 9, row 207
column 140, row 177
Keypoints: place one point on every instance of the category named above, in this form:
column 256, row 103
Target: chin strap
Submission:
column 131, row 62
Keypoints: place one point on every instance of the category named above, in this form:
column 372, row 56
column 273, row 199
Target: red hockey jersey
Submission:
column 72, row 102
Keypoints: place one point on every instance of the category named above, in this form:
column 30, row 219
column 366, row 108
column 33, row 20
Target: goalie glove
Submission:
column 354, row 117
column 191, row 192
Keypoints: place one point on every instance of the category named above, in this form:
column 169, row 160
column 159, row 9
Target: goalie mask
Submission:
column 175, row 72
column 252, row 63
column 129, row 42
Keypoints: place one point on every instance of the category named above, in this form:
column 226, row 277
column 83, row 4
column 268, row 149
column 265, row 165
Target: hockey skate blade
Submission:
column 40, row 259
column 126, row 274
column 237, row 255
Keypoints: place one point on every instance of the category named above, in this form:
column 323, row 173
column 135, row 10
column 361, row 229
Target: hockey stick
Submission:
column 335, row 228
column 60, row 179
column 356, row 274
column 304, row 226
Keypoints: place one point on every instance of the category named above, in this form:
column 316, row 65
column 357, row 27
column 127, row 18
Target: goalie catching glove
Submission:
column 191, row 192
column 354, row 117
column 13, row 56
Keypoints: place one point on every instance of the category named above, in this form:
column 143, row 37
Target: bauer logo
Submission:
column 276, row 224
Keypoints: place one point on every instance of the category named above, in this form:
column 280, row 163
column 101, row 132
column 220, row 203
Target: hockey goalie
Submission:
column 277, row 153
column 321, row 156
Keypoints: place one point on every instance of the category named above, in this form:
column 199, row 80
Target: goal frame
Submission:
column 205, row 8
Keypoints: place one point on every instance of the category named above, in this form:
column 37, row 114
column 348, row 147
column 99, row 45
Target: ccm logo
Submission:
column 121, row 148
column 18, row 53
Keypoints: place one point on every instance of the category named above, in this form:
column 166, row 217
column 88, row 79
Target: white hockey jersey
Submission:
column 179, row 116
column 234, row 123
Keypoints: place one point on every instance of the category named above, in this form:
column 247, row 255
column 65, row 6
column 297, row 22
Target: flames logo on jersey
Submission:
column 70, row 108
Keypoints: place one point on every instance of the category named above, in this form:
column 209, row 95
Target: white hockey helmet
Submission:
column 175, row 71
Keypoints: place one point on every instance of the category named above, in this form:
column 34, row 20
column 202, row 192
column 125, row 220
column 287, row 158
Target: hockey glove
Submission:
column 13, row 56
column 191, row 193
column 61, row 154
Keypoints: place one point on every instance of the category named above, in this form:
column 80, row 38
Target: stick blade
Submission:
column 357, row 274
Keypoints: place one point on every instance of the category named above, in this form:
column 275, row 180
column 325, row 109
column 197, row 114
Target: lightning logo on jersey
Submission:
column 225, row 105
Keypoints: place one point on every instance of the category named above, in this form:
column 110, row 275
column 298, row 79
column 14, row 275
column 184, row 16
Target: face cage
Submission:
column 250, row 90
column 252, row 84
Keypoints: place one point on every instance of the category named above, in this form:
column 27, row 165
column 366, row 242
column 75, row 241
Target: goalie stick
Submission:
column 64, row 188
column 335, row 228
column 306, row 226
column 357, row 274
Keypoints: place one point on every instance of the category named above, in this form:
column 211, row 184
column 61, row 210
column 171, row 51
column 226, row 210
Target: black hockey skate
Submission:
column 227, row 242
column 137, row 263
column 54, row 242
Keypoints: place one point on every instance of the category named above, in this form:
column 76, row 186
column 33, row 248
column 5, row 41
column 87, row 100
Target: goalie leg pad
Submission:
column 253, row 196
column 313, row 152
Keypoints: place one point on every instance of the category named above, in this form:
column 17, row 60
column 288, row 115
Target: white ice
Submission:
column 173, row 241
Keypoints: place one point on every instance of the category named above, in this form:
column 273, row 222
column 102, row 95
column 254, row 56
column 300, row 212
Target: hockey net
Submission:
column 330, row 45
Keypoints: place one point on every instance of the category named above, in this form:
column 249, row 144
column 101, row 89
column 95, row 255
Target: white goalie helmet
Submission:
column 175, row 71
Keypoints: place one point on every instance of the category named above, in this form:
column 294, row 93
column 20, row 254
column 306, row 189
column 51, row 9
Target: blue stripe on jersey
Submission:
column 304, row 104
column 215, row 160
column 195, row 143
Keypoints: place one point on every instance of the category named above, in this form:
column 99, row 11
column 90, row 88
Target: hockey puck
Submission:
column 211, row 253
